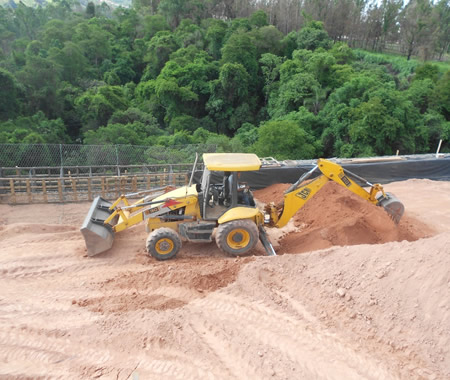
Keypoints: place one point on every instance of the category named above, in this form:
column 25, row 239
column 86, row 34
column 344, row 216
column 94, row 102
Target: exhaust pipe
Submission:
column 98, row 236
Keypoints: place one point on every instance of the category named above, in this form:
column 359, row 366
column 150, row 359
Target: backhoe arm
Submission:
column 294, row 200
column 343, row 177
column 300, row 192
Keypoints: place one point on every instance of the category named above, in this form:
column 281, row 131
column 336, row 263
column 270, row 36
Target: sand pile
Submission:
column 336, row 216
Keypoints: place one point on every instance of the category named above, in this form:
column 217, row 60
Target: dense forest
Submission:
column 287, row 82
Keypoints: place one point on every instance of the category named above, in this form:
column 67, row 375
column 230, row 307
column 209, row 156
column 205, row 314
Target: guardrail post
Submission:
column 170, row 179
column 13, row 191
column 30, row 197
column 44, row 190
column 89, row 190
column 61, row 172
column 60, row 190
column 117, row 161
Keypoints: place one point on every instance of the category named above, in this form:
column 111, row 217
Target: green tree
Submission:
column 284, row 140
column 313, row 36
column 154, row 24
column 385, row 123
column 71, row 60
column 441, row 16
column 247, row 134
column 234, row 80
column 416, row 25
column 292, row 94
column 437, row 129
column 41, row 77
column 270, row 66
column 97, row 105
column 342, row 53
column 187, row 33
column 427, row 71
column 94, row 41
column 9, row 102
column 258, row 19
column 420, row 93
column 159, row 49
column 240, row 49
column 135, row 133
column 441, row 97
column 90, row 9
column 215, row 36
column 175, row 10
column 55, row 33
column 36, row 129
column 267, row 40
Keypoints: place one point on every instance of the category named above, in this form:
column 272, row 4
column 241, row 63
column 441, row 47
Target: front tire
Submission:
column 237, row 237
column 163, row 243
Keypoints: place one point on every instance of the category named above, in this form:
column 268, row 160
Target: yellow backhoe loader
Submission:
column 193, row 212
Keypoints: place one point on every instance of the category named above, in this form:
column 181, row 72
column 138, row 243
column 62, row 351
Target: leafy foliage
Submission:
column 174, row 72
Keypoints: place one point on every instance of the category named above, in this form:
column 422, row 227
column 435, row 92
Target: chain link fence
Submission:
column 62, row 159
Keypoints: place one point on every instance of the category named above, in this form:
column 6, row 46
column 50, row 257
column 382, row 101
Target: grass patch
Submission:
column 399, row 63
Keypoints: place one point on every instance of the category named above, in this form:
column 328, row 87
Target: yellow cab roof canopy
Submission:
column 231, row 162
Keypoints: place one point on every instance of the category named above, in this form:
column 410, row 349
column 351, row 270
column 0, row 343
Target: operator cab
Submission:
column 221, row 186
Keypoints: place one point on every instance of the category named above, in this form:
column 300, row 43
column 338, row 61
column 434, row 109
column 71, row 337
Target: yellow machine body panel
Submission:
column 178, row 193
column 154, row 224
column 232, row 162
column 172, row 200
column 238, row 213
column 192, row 209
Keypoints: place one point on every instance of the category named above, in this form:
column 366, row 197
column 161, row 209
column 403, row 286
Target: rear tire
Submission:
column 237, row 237
column 163, row 243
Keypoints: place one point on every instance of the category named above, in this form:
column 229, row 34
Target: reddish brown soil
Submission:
column 367, row 311
column 337, row 217
column 198, row 277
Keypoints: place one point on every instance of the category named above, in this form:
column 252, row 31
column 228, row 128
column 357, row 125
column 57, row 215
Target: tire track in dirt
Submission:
column 234, row 361
column 38, row 349
column 171, row 364
column 119, row 300
column 301, row 341
column 45, row 270
column 10, row 232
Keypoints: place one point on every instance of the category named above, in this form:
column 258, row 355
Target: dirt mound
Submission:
column 390, row 300
column 336, row 216
column 182, row 281
column 273, row 193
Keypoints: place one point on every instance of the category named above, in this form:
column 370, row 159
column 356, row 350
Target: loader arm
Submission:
column 104, row 218
column 296, row 196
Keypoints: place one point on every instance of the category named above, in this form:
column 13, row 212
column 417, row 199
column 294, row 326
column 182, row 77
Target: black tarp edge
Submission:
column 375, row 172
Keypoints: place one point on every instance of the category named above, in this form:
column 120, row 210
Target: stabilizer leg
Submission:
column 266, row 242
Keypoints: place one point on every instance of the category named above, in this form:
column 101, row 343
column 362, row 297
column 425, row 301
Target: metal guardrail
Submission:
column 76, row 189
column 91, row 171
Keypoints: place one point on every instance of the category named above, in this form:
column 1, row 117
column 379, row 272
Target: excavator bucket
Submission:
column 392, row 206
column 98, row 236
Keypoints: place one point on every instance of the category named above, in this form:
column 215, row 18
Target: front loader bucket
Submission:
column 392, row 206
column 98, row 236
